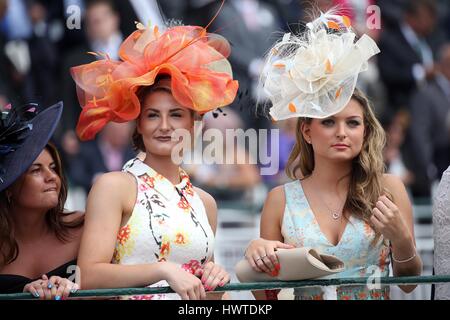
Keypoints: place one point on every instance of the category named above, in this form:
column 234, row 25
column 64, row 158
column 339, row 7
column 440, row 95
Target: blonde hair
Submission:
column 367, row 168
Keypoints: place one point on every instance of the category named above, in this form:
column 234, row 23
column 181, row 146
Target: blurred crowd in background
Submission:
column 408, row 82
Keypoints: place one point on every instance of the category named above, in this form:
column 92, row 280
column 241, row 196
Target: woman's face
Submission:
column 161, row 115
column 339, row 137
column 39, row 186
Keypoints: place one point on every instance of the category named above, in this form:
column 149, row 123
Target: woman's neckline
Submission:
column 317, row 222
column 47, row 273
column 183, row 176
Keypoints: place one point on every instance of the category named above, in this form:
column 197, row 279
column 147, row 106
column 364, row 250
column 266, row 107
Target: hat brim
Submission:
column 17, row 162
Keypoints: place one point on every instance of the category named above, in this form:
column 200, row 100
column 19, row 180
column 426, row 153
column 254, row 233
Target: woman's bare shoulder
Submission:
column 274, row 205
column 391, row 181
column 112, row 190
column 114, row 185
column 276, row 195
column 116, row 178
column 394, row 185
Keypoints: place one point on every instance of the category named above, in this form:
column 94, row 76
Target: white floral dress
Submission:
column 168, row 223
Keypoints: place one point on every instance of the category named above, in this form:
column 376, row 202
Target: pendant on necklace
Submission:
column 336, row 215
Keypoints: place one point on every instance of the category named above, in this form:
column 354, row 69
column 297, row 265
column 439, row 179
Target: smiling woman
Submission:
column 160, row 115
column 148, row 225
column 33, row 224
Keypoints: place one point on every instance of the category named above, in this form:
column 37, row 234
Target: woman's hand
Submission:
column 55, row 288
column 187, row 285
column 261, row 255
column 63, row 287
column 213, row 275
column 388, row 220
column 38, row 288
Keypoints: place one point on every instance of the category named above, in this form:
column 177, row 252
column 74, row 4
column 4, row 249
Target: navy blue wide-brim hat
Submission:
column 32, row 133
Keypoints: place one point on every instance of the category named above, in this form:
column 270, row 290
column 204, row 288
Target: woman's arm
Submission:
column 105, row 206
column 395, row 221
column 272, row 215
column 270, row 238
column 270, row 233
column 112, row 195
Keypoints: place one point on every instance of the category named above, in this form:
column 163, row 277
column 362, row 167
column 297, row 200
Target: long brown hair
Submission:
column 367, row 168
column 54, row 217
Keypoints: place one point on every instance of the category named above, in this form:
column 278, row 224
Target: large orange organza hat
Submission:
column 196, row 61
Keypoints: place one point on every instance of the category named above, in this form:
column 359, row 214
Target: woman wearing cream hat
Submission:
column 340, row 202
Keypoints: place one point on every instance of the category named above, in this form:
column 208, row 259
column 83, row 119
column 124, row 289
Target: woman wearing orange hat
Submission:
column 147, row 225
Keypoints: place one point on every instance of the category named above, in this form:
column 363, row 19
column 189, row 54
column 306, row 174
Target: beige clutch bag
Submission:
column 295, row 264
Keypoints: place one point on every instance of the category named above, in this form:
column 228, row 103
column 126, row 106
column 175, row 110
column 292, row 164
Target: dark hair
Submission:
column 54, row 217
column 137, row 141
column 142, row 93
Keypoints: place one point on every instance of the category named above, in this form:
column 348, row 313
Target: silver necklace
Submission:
column 336, row 214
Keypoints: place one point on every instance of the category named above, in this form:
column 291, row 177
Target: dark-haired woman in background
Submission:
column 38, row 240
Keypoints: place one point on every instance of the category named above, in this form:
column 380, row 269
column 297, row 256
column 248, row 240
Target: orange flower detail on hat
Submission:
column 314, row 74
column 196, row 61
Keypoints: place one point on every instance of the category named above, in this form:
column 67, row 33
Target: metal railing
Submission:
column 249, row 286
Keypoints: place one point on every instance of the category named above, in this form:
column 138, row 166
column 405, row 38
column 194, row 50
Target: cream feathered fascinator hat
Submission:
column 314, row 74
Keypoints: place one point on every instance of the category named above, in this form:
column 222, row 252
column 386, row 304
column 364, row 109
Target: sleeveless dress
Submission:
column 361, row 257
column 168, row 223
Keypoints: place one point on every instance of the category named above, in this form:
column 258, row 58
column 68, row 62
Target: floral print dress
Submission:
column 361, row 256
column 168, row 223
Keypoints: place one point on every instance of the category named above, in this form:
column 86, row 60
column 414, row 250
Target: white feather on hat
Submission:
column 314, row 75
